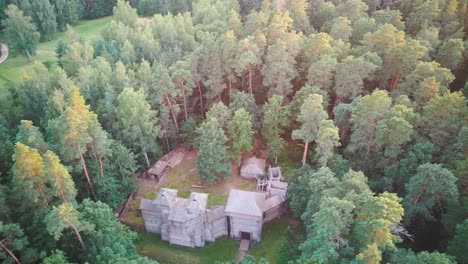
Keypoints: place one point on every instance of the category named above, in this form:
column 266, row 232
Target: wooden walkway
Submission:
column 243, row 248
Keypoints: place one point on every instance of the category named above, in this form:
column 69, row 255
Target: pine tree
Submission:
column 370, row 109
column 327, row 139
column 63, row 217
column 275, row 117
column 71, row 132
column 212, row 158
column 28, row 176
column 58, row 175
column 311, row 115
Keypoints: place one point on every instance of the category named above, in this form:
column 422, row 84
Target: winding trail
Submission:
column 4, row 52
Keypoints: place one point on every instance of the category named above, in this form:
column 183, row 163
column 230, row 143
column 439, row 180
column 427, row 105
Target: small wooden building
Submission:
column 161, row 167
column 252, row 168
column 244, row 210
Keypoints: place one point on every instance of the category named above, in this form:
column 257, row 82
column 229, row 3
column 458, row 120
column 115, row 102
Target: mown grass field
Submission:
column 224, row 249
column 17, row 65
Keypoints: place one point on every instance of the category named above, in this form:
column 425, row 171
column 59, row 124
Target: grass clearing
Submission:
column 182, row 178
column 150, row 245
column 223, row 249
column 17, row 65
column 273, row 236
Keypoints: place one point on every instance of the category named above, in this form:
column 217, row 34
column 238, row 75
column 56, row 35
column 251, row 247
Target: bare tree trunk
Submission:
column 167, row 142
column 185, row 104
column 393, row 83
column 77, row 233
column 304, row 155
column 172, row 111
column 98, row 160
column 90, row 185
column 199, row 89
column 250, row 79
column 44, row 198
column 229, row 91
column 62, row 196
column 146, row 157
column 28, row 55
column 415, row 199
column 331, row 114
column 369, row 146
column 100, row 165
column 9, row 252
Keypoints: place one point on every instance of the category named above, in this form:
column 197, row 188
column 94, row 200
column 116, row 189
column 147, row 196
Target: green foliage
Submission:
column 373, row 226
column 42, row 14
column 408, row 256
column 212, row 158
column 109, row 241
column 13, row 239
column 328, row 237
column 457, row 246
column 137, row 123
column 20, row 32
column 221, row 113
column 299, row 190
column 370, row 109
column 188, row 132
column 240, row 134
column 430, row 191
column 97, row 8
column 57, row 257
column 149, row 7
column 275, row 117
column 67, row 12
column 30, row 135
column 327, row 139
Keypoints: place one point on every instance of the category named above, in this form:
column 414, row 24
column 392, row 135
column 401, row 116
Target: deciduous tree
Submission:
column 20, row 32
column 137, row 122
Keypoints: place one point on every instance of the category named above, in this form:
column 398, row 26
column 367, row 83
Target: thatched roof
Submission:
column 252, row 167
column 246, row 203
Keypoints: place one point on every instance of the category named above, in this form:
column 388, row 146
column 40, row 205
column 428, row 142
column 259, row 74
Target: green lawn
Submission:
column 17, row 65
column 153, row 247
column 225, row 248
column 273, row 236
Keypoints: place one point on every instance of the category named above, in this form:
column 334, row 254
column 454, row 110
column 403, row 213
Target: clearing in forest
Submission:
column 184, row 177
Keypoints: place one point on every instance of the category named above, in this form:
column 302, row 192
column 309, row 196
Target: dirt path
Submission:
column 4, row 51
column 243, row 248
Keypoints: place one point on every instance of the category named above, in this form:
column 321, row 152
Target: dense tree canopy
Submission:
column 371, row 94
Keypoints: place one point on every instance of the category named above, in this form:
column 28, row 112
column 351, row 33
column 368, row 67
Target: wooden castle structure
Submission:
column 188, row 222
